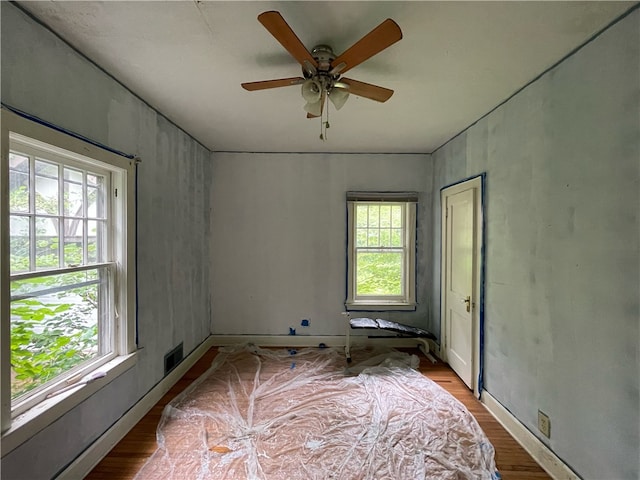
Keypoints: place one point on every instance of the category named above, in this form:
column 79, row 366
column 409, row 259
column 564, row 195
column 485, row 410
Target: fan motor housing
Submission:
column 324, row 55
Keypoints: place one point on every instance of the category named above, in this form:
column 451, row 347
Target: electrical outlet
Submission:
column 544, row 424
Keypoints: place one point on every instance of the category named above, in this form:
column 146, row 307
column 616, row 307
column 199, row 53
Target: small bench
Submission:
column 401, row 331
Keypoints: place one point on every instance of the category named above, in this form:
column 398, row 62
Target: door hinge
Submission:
column 116, row 193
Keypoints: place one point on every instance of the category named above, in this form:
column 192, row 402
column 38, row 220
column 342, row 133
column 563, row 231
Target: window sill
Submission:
column 379, row 307
column 29, row 423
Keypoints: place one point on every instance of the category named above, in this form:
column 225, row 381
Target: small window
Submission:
column 381, row 255
column 70, row 265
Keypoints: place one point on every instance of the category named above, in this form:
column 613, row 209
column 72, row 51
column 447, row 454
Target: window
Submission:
column 70, row 262
column 381, row 251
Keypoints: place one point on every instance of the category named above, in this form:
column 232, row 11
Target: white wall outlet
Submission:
column 544, row 424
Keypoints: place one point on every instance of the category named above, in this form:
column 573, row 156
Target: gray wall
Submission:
column 562, row 287
column 280, row 245
column 43, row 76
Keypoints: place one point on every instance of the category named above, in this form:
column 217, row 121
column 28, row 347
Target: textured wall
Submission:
column 43, row 76
column 563, row 251
column 280, row 245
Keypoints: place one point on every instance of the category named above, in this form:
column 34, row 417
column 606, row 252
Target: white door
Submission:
column 459, row 241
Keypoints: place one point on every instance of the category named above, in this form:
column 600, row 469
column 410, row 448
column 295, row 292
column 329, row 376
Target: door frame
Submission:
column 477, row 342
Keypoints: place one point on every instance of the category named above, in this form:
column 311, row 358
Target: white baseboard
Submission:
column 88, row 459
column 548, row 460
column 311, row 340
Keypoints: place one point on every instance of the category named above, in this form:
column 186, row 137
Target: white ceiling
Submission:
column 456, row 61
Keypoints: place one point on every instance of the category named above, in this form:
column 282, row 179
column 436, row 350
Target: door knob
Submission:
column 468, row 302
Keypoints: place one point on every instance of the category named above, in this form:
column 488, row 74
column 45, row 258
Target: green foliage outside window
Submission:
column 379, row 274
column 379, row 243
column 54, row 332
column 51, row 334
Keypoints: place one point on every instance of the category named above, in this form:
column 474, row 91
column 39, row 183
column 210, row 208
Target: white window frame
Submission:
column 22, row 420
column 407, row 301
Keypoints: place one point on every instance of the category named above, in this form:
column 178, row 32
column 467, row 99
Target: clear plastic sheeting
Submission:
column 286, row 414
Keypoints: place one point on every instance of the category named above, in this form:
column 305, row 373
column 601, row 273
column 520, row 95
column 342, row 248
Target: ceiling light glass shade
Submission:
column 339, row 95
column 311, row 90
column 314, row 108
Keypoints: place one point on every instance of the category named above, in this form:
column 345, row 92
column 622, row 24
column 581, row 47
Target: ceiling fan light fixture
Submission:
column 339, row 95
column 314, row 108
column 311, row 91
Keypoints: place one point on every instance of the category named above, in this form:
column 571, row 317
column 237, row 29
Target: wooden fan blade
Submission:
column 362, row 89
column 281, row 82
column 282, row 32
column 381, row 37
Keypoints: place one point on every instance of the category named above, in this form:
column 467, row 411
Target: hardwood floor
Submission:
column 513, row 462
column 128, row 456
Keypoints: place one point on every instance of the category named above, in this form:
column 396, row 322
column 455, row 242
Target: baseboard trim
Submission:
column 548, row 460
column 312, row 340
column 88, row 459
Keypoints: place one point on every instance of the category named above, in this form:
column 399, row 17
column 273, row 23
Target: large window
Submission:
column 70, row 269
column 381, row 255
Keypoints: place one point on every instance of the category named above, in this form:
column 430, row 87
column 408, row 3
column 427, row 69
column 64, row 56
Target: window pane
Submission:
column 374, row 215
column 19, row 243
column 396, row 216
column 362, row 215
column 19, row 163
column 385, row 238
column 18, row 183
column 379, row 273
column 385, row 216
column 73, row 175
column 396, row 237
column 92, row 179
column 96, row 241
column 73, row 193
column 47, row 255
column 73, row 235
column 373, row 238
column 96, row 199
column 46, row 188
column 361, row 237
column 55, row 321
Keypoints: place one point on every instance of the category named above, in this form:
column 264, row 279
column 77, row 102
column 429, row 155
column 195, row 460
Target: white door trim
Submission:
column 475, row 183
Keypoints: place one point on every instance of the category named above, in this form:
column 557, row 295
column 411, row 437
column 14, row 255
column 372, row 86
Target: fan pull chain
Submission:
column 324, row 125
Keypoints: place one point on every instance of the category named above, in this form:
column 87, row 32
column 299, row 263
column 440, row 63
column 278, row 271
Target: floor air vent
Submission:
column 172, row 359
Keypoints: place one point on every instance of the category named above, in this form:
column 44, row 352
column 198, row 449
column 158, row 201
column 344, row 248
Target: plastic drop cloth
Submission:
column 267, row 414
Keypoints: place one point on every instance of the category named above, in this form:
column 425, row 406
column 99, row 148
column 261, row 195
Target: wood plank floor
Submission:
column 128, row 456
column 513, row 462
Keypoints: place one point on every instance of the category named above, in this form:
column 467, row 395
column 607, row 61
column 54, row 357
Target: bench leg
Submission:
column 347, row 346
column 424, row 348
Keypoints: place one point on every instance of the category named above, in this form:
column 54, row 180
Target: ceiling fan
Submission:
column 322, row 70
